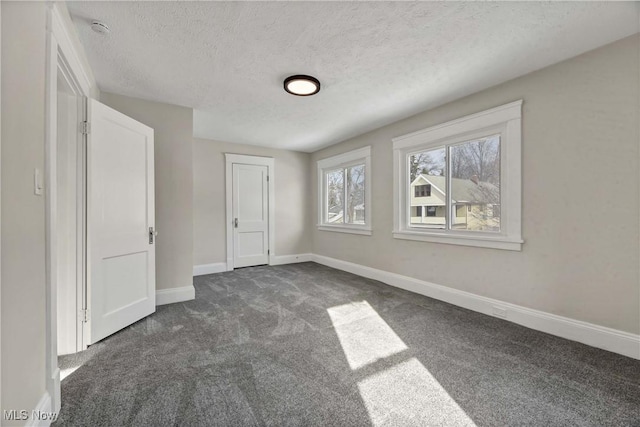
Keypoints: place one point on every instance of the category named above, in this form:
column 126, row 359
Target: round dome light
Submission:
column 301, row 85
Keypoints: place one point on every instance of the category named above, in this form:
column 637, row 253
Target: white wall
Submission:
column 293, row 213
column 173, row 131
column 580, row 196
column 23, row 213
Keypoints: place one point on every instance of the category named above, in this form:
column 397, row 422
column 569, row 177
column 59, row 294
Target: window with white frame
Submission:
column 460, row 182
column 344, row 192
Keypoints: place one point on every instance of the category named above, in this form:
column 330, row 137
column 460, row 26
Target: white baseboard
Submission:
column 54, row 390
column 201, row 270
column 169, row 296
column 290, row 259
column 42, row 415
column 219, row 267
column 609, row 339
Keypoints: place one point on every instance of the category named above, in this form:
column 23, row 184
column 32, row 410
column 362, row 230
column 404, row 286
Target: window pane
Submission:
column 335, row 196
column 422, row 190
column 475, row 184
column 428, row 189
column 355, row 213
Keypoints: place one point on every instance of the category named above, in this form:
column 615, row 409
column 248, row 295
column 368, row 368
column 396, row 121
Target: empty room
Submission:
column 300, row 213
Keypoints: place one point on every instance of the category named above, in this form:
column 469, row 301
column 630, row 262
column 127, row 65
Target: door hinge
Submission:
column 85, row 128
column 268, row 251
column 84, row 316
column 267, row 178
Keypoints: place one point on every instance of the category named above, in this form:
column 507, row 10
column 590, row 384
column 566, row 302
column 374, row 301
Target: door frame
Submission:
column 78, row 205
column 63, row 52
column 269, row 162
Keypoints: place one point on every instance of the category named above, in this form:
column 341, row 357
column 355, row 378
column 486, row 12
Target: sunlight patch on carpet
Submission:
column 404, row 394
column 363, row 335
column 408, row 394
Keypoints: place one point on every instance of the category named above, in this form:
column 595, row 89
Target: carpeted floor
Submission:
column 307, row 345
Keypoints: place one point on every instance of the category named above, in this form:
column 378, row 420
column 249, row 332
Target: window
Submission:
column 423, row 190
column 344, row 193
column 470, row 170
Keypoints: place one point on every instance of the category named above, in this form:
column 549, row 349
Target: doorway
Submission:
column 81, row 143
column 68, row 85
column 70, row 214
column 250, row 206
column 104, row 234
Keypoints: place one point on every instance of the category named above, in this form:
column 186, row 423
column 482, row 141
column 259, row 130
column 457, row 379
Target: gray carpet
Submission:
column 307, row 345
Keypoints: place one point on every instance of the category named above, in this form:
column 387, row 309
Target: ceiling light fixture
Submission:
column 301, row 85
column 100, row 27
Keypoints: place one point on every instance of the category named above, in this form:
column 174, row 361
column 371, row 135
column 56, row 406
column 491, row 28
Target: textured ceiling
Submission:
column 378, row 61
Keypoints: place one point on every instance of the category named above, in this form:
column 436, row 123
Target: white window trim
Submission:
column 359, row 156
column 505, row 120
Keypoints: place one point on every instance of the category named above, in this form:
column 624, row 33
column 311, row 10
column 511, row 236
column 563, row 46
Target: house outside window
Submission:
column 467, row 188
column 459, row 182
column 344, row 192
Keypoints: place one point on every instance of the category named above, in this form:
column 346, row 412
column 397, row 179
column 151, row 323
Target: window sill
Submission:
column 365, row 231
column 504, row 243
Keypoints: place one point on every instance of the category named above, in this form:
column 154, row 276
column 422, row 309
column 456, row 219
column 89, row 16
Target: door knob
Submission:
column 235, row 222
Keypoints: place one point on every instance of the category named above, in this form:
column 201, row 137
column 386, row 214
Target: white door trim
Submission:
column 61, row 52
column 269, row 162
column 0, row 218
column 70, row 194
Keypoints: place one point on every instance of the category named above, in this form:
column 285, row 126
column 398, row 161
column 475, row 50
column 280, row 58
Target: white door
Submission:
column 250, row 208
column 120, row 221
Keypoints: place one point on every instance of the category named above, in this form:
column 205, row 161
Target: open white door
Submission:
column 120, row 222
column 251, row 215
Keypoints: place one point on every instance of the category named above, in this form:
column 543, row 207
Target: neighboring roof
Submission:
column 464, row 190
